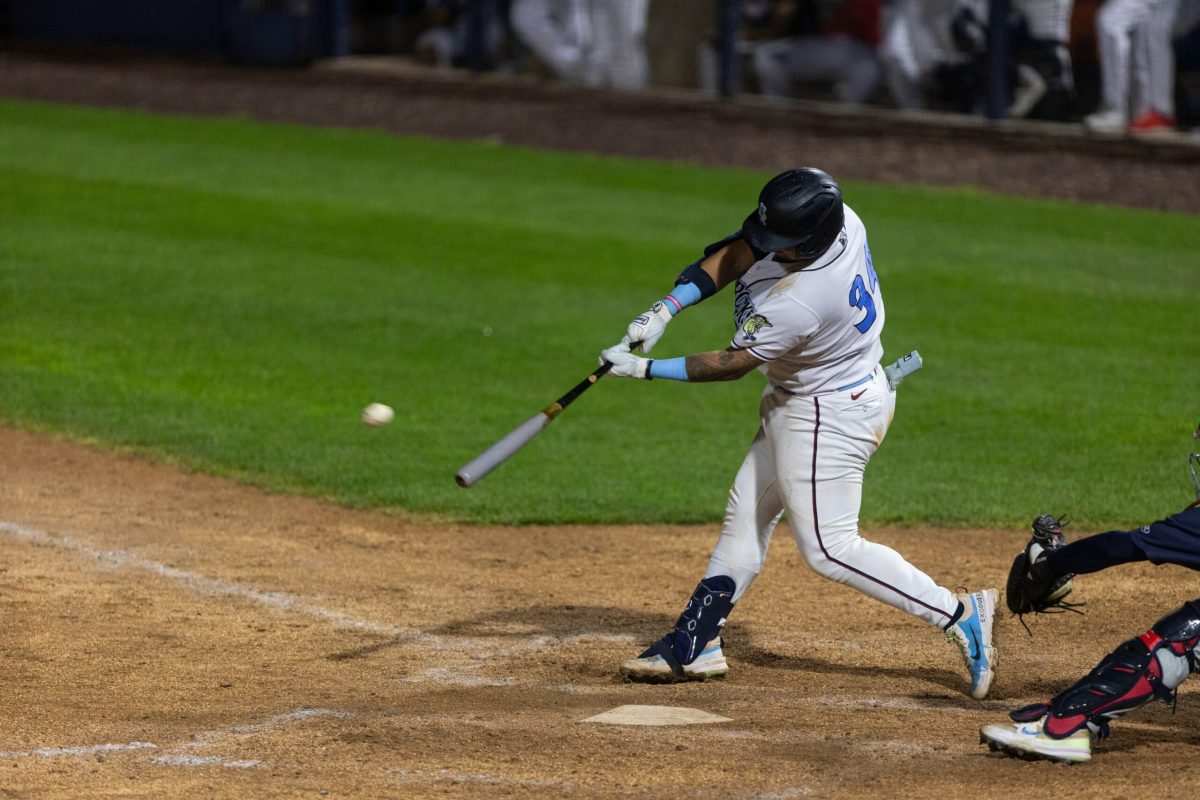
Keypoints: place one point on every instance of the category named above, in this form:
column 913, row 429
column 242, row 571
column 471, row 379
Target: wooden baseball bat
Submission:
column 477, row 468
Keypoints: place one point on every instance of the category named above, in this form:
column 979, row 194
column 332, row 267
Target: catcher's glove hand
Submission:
column 1031, row 587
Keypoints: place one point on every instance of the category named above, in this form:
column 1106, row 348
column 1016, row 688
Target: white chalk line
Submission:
column 278, row 601
column 183, row 755
column 477, row 649
column 83, row 750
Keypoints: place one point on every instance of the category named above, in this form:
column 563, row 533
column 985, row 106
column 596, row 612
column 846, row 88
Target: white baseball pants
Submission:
column 1134, row 42
column 808, row 460
column 618, row 54
column 557, row 31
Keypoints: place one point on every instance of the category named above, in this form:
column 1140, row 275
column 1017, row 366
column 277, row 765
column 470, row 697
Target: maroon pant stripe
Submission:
column 817, row 526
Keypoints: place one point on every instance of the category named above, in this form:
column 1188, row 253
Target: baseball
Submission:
column 377, row 414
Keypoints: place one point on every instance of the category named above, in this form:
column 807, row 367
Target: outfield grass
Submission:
column 227, row 295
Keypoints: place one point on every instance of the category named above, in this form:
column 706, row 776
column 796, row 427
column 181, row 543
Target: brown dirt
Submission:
column 171, row 634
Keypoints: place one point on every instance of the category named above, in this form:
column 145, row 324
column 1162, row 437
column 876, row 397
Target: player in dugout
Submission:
column 1147, row 666
column 808, row 313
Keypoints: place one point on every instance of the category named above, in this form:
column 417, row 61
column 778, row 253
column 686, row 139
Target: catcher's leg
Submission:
column 1150, row 665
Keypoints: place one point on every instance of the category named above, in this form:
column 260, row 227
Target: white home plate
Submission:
column 656, row 715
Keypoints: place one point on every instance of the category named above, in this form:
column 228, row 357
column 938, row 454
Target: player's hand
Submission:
column 648, row 328
column 624, row 363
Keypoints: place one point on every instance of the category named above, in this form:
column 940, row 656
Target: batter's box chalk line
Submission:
column 476, row 651
column 184, row 755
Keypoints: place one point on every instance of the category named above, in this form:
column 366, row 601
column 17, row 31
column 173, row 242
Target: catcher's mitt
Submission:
column 1031, row 587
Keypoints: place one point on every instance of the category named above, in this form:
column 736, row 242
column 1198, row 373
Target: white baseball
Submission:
column 377, row 414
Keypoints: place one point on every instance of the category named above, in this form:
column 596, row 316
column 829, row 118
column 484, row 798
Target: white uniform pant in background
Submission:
column 808, row 460
column 618, row 53
column 849, row 64
column 594, row 42
column 557, row 31
column 1134, row 42
column 915, row 39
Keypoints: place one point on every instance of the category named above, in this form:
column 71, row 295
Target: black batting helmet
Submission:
column 800, row 208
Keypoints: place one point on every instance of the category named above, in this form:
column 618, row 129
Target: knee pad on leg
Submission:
column 1152, row 665
column 700, row 621
column 1126, row 678
column 1179, row 633
column 1181, row 626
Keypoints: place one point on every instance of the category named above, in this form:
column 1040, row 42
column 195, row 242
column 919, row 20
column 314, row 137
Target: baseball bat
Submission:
column 477, row 468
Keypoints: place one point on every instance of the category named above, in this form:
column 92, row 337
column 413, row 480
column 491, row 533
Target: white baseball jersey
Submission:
column 817, row 328
column 827, row 410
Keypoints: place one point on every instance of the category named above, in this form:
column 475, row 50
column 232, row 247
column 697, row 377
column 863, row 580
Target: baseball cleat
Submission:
column 1105, row 121
column 973, row 635
column 1027, row 740
column 650, row 667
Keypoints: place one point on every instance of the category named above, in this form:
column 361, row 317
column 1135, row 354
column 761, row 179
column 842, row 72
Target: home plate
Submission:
column 656, row 715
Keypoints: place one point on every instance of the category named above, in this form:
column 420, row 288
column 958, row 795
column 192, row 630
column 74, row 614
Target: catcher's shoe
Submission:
column 1028, row 740
column 651, row 667
column 973, row 635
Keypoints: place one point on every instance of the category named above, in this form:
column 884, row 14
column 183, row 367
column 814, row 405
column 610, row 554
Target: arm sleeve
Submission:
column 693, row 274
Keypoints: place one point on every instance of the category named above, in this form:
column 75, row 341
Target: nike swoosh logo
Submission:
column 975, row 650
column 854, row 396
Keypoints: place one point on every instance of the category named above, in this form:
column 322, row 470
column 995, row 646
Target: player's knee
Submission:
column 824, row 563
column 1176, row 636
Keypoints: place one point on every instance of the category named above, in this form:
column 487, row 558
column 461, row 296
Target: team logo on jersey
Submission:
column 753, row 325
column 762, row 213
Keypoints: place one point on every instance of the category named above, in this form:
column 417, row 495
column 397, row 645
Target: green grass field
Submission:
column 227, row 295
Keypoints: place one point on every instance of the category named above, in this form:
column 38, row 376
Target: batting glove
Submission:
column 624, row 363
column 648, row 328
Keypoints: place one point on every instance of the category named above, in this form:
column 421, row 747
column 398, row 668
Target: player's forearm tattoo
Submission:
column 718, row 365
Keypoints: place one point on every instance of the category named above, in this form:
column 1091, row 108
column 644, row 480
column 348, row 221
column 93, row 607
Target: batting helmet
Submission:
column 800, row 208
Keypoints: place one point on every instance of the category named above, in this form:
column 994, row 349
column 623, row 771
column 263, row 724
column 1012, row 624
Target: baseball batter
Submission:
column 809, row 311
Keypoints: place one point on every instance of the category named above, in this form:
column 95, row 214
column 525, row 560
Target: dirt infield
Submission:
column 176, row 635
column 170, row 634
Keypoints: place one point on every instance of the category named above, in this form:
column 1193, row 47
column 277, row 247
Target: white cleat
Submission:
column 973, row 635
column 1106, row 122
column 1028, row 740
column 653, row 668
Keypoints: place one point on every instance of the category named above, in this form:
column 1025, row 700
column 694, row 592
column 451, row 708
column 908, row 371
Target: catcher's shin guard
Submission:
column 1151, row 665
column 699, row 623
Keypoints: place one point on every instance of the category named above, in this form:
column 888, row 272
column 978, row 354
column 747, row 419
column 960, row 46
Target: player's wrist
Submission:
column 672, row 369
column 681, row 297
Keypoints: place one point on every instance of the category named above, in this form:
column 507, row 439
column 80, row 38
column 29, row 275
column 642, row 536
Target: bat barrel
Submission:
column 477, row 468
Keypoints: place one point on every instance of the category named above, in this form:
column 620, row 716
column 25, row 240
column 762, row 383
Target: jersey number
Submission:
column 861, row 298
